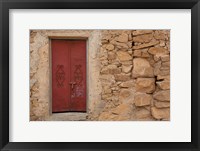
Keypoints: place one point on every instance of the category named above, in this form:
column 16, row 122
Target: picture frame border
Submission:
column 5, row 5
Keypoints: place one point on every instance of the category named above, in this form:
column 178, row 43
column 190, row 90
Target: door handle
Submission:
column 72, row 84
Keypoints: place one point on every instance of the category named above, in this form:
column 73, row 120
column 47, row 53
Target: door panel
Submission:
column 78, row 75
column 68, row 75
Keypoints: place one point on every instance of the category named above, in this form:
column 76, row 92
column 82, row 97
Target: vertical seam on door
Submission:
column 70, row 91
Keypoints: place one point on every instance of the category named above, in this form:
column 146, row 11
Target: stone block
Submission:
column 142, row 68
column 122, row 77
column 122, row 38
column 142, row 99
column 141, row 32
column 126, row 69
column 110, row 47
column 145, row 85
column 163, row 95
column 124, row 56
column 143, row 38
column 160, row 114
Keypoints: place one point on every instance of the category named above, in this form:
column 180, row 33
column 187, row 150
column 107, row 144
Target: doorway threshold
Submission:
column 68, row 116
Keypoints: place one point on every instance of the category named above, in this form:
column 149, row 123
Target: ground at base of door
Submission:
column 75, row 116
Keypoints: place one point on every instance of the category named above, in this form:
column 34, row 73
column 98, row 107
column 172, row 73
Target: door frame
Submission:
column 50, row 71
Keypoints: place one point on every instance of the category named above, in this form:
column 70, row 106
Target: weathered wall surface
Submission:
column 128, row 74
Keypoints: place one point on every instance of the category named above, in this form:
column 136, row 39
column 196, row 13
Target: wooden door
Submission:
column 68, row 75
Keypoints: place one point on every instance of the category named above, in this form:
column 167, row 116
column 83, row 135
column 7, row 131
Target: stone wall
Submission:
column 135, row 71
column 128, row 76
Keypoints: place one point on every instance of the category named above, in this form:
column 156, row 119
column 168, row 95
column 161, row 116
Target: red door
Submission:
column 68, row 75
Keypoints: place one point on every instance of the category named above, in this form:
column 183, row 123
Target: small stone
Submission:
column 106, row 96
column 115, row 88
column 122, row 38
column 127, row 84
column 166, row 78
column 162, row 43
column 32, row 82
column 111, row 69
column 164, row 85
column 158, row 51
column 142, row 68
column 143, row 38
column 166, row 64
column 121, row 45
column 141, row 53
column 103, row 59
column 105, row 70
column 145, row 54
column 164, row 72
column 104, row 62
column 145, row 85
column 143, row 114
column 118, row 83
column 110, row 47
column 35, row 102
column 123, row 56
column 104, row 41
column 129, row 37
column 130, row 52
column 151, row 61
column 106, row 116
column 163, row 95
column 165, row 68
column 126, row 69
column 141, row 32
column 142, row 99
column 103, row 46
column 106, row 36
column 157, row 67
column 159, row 114
column 111, row 55
column 160, row 70
column 165, row 58
column 107, row 90
column 159, row 104
column 123, row 112
column 137, row 53
column 103, row 54
column 107, row 79
column 116, row 62
column 156, row 57
column 160, row 36
column 122, row 77
column 145, row 45
column 126, row 62
column 124, row 94
column 129, row 44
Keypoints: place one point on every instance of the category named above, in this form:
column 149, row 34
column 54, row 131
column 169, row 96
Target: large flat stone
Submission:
column 143, row 38
column 163, row 95
column 145, row 85
column 141, row 32
column 158, row 51
column 122, row 38
column 122, row 77
column 124, row 56
column 142, row 99
column 145, row 45
column 142, row 68
column 159, row 114
column 164, row 85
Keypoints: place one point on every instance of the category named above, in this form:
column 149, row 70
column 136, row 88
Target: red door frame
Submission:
column 50, row 62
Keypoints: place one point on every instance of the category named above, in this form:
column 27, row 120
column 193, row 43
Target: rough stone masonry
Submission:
column 128, row 74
